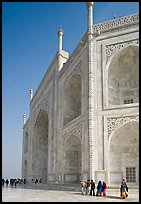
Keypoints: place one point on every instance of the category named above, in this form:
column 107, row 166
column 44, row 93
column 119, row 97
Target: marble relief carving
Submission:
column 76, row 131
column 111, row 49
column 77, row 70
column 116, row 22
column 44, row 103
column 114, row 123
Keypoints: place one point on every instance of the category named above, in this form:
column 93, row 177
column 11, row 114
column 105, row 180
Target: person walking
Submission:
column 3, row 181
column 99, row 189
column 88, row 187
column 83, row 186
column 123, row 189
column 7, row 182
column 104, row 186
column 92, row 191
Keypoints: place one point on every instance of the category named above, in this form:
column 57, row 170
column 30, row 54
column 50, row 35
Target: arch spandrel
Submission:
column 76, row 131
column 113, row 50
column 70, row 138
column 118, row 52
column 42, row 106
column 122, row 126
column 115, row 124
column 76, row 71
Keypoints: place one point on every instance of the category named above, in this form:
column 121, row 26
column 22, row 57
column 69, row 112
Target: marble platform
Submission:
column 28, row 194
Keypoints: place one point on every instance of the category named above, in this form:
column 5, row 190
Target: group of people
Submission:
column 13, row 181
column 36, row 180
column 89, row 188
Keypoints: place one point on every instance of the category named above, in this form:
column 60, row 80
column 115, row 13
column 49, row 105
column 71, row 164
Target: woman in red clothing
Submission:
column 104, row 188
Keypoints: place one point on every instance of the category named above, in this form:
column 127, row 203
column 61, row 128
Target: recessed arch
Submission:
column 124, row 151
column 72, row 99
column 25, row 168
column 72, row 158
column 123, row 76
column 26, row 145
column 40, row 146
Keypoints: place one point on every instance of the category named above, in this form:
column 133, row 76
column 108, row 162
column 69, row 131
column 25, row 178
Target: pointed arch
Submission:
column 124, row 151
column 25, row 168
column 26, row 143
column 40, row 146
column 123, row 76
column 72, row 158
column 72, row 99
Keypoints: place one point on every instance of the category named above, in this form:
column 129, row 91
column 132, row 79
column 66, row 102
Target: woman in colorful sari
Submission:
column 99, row 189
column 104, row 188
column 123, row 189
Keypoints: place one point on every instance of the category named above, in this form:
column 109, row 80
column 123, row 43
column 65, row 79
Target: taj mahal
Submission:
column 84, row 115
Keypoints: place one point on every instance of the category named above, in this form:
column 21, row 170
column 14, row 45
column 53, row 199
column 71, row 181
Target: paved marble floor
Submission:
column 36, row 195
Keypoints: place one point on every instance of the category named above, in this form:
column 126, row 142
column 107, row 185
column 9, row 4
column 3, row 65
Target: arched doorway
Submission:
column 124, row 154
column 40, row 147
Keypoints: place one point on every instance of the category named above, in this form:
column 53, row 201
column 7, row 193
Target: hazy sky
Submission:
column 29, row 43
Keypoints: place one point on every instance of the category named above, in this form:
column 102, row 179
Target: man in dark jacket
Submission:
column 92, row 192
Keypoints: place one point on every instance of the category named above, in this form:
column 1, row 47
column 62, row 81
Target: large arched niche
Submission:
column 40, row 147
column 72, row 99
column 123, row 77
column 72, row 159
column 26, row 147
column 25, row 168
column 124, row 152
column 26, row 144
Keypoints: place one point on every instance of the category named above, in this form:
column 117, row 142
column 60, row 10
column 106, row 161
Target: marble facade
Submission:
column 84, row 116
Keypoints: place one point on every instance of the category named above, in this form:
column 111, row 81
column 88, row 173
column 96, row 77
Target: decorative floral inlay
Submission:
column 43, row 104
column 77, row 70
column 76, row 131
column 113, row 123
column 110, row 49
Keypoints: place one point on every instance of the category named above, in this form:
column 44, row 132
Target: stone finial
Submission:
column 60, row 32
column 90, row 4
column 31, row 94
column 24, row 118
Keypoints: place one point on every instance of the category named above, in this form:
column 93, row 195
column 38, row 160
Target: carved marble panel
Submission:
column 76, row 131
column 111, row 49
column 113, row 123
column 77, row 70
column 117, row 22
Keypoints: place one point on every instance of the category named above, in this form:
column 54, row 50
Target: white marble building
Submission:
column 84, row 116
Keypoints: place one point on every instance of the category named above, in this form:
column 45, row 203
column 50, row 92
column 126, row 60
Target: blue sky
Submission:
column 29, row 43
